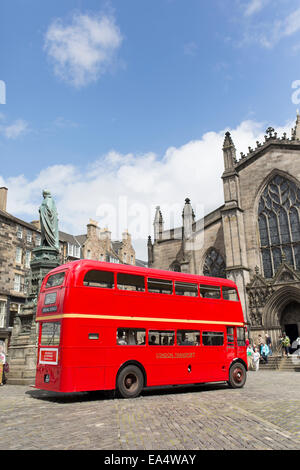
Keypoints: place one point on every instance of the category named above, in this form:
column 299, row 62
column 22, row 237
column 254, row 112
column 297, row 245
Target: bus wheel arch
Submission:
column 130, row 379
column 237, row 374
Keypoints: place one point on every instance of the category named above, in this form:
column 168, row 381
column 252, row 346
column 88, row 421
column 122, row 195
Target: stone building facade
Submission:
column 253, row 238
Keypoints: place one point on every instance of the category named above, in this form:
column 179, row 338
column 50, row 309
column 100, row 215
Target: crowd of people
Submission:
column 261, row 349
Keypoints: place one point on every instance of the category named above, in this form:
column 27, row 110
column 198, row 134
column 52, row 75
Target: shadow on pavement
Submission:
column 111, row 394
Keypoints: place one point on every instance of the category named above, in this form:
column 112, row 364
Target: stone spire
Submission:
column 150, row 251
column 229, row 152
column 188, row 217
column 158, row 224
column 296, row 130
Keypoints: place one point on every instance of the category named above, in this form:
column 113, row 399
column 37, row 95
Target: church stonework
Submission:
column 252, row 239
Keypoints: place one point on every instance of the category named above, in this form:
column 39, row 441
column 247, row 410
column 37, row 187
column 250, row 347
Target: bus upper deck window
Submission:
column 210, row 292
column 184, row 288
column 96, row 278
column 160, row 286
column 55, row 280
column 131, row 282
column 229, row 293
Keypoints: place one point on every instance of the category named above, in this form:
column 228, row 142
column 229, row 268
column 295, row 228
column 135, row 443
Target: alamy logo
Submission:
column 296, row 94
column 2, row 92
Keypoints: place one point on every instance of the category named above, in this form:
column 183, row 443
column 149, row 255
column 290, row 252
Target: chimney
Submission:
column 3, row 198
column 126, row 237
column 92, row 227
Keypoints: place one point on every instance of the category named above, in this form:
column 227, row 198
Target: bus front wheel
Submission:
column 237, row 375
column 130, row 381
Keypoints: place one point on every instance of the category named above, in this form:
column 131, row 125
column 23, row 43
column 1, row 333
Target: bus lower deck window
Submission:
column 50, row 335
column 240, row 335
column 97, row 278
column 188, row 337
column 230, row 336
column 161, row 338
column 213, row 338
column 131, row 336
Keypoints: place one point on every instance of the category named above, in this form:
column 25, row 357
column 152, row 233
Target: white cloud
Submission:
column 122, row 191
column 254, row 6
column 83, row 49
column 14, row 130
column 292, row 23
column 268, row 33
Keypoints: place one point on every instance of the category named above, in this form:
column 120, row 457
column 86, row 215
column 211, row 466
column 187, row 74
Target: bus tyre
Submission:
column 130, row 381
column 237, row 375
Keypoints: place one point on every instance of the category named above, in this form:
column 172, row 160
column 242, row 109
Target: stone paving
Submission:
column 264, row 415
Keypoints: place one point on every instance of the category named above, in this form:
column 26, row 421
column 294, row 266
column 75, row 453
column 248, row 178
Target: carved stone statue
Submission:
column 49, row 221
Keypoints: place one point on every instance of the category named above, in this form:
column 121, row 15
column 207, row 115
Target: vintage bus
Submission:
column 107, row 326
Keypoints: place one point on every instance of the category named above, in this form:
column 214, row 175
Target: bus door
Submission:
column 241, row 341
column 212, row 354
column 231, row 343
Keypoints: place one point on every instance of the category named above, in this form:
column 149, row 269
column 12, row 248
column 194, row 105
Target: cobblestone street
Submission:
column 265, row 414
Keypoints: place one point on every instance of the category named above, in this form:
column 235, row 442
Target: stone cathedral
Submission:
column 252, row 239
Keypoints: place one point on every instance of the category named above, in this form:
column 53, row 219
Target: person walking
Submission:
column 269, row 343
column 285, row 344
column 256, row 357
column 250, row 357
column 265, row 353
column 259, row 343
column 2, row 364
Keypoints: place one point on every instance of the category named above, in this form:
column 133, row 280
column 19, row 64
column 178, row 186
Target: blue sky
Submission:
column 117, row 106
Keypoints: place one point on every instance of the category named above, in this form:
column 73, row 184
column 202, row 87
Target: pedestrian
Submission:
column 256, row 357
column 285, row 344
column 260, row 343
column 250, row 357
column 264, row 353
column 269, row 343
column 2, row 364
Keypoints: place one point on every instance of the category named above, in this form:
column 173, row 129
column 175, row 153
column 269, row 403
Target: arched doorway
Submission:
column 290, row 320
column 282, row 313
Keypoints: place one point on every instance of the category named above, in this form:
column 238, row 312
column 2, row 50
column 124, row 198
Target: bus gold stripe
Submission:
column 121, row 317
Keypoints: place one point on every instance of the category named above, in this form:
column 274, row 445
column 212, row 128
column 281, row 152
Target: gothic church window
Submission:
column 214, row 264
column 279, row 225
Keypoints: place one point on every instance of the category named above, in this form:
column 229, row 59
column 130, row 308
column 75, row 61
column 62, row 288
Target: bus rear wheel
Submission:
column 237, row 375
column 130, row 381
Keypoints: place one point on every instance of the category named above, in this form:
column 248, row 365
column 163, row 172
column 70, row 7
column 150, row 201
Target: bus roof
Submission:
column 174, row 275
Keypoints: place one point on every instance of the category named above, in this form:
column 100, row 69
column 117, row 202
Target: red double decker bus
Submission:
column 106, row 326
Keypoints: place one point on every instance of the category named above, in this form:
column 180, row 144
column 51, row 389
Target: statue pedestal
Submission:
column 23, row 346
